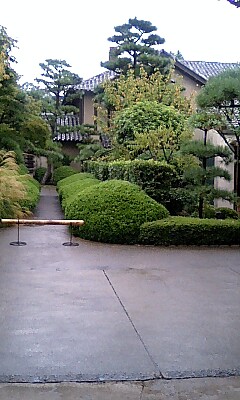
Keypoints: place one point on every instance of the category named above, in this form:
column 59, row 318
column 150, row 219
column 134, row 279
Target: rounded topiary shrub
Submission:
column 68, row 192
column 113, row 212
column 62, row 172
column 74, row 178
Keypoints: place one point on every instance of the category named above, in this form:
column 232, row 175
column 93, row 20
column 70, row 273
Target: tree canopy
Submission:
column 135, row 43
column 59, row 91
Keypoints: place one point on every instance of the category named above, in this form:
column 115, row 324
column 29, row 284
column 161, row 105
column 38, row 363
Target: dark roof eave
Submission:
column 191, row 74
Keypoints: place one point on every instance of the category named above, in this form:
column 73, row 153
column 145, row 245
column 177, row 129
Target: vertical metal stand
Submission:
column 70, row 243
column 18, row 243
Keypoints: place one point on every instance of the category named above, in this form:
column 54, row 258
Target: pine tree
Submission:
column 60, row 92
column 200, row 178
column 135, row 43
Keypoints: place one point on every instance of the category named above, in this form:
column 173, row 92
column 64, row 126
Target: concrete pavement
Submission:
column 127, row 319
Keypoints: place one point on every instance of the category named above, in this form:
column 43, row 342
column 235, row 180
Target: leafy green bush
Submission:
column 225, row 212
column 68, row 192
column 32, row 195
column 22, row 169
column 190, row 231
column 39, row 173
column 113, row 212
column 74, row 178
column 155, row 178
column 62, row 172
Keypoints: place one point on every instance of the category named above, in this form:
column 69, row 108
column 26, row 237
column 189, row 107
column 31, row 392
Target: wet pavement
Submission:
column 114, row 313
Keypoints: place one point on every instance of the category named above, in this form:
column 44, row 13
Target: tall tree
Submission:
column 61, row 92
column 126, row 92
column 135, row 43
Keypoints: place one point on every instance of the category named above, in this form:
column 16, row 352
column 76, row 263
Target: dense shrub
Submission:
column 39, row 173
column 68, row 192
column 113, row 212
column 224, row 213
column 74, row 178
column 22, row 169
column 155, row 178
column 62, row 172
column 31, row 198
column 190, row 231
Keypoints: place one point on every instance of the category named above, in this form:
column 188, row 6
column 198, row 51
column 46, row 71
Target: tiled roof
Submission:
column 207, row 69
column 69, row 137
column 91, row 83
column 203, row 69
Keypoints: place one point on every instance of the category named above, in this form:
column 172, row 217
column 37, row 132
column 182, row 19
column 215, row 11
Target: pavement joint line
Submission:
column 133, row 325
column 233, row 270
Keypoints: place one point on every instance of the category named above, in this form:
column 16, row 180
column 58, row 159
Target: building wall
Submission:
column 88, row 108
column 191, row 87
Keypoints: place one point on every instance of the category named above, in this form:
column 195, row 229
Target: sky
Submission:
column 77, row 31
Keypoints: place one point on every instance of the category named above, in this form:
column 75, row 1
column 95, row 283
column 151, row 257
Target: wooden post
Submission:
column 75, row 222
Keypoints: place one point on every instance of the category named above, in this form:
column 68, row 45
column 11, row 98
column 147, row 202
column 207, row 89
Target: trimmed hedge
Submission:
column 113, row 212
column 190, row 231
column 62, row 172
column 68, row 192
column 74, row 178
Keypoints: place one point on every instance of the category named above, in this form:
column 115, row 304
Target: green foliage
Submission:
column 62, row 172
column 206, row 151
column 220, row 89
column 135, row 42
column 35, row 130
column 12, row 189
column 190, row 231
column 125, row 92
column 90, row 151
column 60, row 89
column 150, row 126
column 8, row 141
column 200, row 178
column 155, row 178
column 113, row 212
column 74, row 178
column 67, row 193
column 225, row 212
column 32, row 196
column 221, row 96
column 19, row 193
column 22, row 169
column 39, row 173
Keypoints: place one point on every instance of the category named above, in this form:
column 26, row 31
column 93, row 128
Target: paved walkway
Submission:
column 130, row 320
